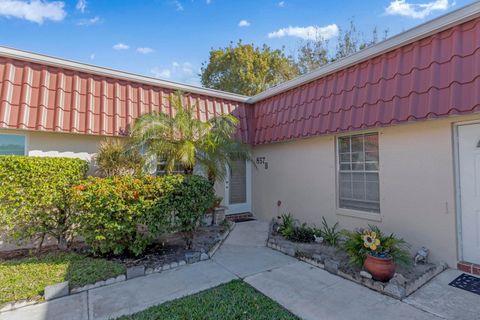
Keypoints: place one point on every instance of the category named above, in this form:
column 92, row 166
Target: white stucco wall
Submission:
column 417, row 184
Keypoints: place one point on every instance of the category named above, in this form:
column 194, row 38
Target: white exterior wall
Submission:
column 417, row 184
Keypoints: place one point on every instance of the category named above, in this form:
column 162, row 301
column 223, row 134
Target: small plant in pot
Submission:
column 377, row 253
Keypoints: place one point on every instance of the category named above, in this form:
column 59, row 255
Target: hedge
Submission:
column 35, row 197
column 125, row 214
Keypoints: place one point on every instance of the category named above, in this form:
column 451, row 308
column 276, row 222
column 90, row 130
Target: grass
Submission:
column 234, row 300
column 26, row 278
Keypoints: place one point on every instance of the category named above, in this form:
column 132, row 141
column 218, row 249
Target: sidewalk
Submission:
column 306, row 291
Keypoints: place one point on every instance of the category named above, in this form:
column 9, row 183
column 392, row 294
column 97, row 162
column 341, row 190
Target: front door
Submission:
column 238, row 187
column 469, row 171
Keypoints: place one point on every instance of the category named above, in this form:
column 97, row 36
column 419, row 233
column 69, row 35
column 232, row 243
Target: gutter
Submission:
column 116, row 74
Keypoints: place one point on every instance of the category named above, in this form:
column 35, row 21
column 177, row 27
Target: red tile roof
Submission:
column 430, row 71
column 41, row 97
column 433, row 77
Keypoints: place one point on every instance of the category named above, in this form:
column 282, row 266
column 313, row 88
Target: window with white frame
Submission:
column 12, row 144
column 358, row 163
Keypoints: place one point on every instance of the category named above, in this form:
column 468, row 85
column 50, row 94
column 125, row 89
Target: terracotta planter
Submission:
column 381, row 269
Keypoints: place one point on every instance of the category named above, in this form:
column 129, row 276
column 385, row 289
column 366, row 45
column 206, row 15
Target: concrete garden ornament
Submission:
column 422, row 256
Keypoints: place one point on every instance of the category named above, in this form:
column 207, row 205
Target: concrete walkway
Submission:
column 306, row 291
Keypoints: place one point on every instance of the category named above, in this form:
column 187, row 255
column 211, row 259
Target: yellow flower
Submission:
column 370, row 240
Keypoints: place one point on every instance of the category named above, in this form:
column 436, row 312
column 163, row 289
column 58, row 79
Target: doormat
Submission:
column 467, row 282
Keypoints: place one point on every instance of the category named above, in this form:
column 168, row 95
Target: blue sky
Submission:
column 171, row 38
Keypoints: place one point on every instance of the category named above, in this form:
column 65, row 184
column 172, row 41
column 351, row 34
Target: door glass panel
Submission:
column 238, row 182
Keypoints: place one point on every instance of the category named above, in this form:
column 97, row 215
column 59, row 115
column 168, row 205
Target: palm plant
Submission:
column 184, row 140
column 114, row 158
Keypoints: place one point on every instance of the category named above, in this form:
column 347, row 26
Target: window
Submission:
column 12, row 144
column 161, row 166
column 358, row 172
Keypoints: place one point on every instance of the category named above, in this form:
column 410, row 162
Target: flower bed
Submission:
column 335, row 260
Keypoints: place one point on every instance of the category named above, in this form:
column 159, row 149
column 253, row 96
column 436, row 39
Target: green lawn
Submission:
column 26, row 278
column 234, row 300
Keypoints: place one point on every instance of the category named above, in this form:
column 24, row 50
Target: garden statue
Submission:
column 422, row 256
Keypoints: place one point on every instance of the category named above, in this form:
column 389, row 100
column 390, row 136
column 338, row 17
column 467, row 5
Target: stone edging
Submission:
column 58, row 290
column 392, row 288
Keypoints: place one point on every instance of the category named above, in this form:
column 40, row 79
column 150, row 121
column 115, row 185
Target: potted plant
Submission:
column 377, row 253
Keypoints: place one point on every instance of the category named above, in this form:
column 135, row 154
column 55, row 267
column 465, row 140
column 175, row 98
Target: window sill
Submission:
column 359, row 214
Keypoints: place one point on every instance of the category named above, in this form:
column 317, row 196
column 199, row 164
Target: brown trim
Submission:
column 469, row 267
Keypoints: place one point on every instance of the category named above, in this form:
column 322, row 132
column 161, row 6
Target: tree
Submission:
column 312, row 54
column 183, row 140
column 246, row 69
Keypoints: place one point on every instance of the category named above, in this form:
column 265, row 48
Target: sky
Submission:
column 170, row 39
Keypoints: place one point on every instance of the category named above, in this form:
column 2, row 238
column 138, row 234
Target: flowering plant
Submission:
column 372, row 241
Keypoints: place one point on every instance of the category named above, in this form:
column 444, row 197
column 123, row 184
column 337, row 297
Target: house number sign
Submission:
column 261, row 161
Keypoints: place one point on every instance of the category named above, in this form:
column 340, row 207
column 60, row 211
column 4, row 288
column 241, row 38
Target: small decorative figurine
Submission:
column 422, row 256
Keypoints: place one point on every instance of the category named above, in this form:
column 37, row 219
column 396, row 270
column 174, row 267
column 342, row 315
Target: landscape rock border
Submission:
column 397, row 287
column 131, row 273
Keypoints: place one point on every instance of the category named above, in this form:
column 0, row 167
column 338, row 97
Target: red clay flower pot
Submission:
column 381, row 269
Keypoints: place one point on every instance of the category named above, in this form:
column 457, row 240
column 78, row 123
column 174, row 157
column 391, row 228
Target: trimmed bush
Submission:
column 189, row 201
column 35, row 199
column 114, row 214
column 125, row 214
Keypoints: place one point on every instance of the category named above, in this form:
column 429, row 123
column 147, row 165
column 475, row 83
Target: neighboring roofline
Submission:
column 107, row 72
column 426, row 29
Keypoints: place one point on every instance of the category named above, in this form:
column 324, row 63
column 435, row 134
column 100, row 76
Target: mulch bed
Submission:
column 167, row 249
column 171, row 248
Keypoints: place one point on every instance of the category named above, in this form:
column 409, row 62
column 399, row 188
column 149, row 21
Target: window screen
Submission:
column 358, row 163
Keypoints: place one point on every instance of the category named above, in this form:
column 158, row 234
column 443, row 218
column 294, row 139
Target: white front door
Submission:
column 238, row 187
column 469, row 171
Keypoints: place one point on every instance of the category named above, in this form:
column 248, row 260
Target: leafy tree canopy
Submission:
column 246, row 69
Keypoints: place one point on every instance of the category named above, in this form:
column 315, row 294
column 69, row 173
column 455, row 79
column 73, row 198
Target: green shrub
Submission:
column 372, row 241
column 291, row 230
column 301, row 233
column 189, row 201
column 125, row 214
column 287, row 225
column 35, row 198
column 330, row 234
column 115, row 214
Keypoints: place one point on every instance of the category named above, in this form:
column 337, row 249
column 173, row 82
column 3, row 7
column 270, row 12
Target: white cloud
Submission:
column 281, row 4
column 178, row 5
column 81, row 5
column 415, row 10
column 307, row 33
column 92, row 56
column 33, row 10
column 161, row 73
column 121, row 46
column 244, row 23
column 89, row 22
column 145, row 50
column 182, row 72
